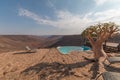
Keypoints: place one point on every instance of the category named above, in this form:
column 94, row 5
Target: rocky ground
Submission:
column 49, row 64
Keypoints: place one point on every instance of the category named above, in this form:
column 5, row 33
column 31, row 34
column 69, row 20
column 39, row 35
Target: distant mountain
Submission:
column 19, row 42
column 70, row 40
column 78, row 40
column 115, row 38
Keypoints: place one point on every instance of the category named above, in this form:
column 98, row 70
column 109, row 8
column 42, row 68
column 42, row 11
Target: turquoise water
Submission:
column 68, row 49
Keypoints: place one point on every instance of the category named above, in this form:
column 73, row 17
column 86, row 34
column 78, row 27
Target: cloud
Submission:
column 65, row 19
column 35, row 17
column 71, row 23
column 108, row 15
column 50, row 3
column 101, row 2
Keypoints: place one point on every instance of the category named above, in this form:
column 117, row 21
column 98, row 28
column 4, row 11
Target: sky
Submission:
column 55, row 17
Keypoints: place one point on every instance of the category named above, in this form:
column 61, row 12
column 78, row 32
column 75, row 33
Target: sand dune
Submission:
column 49, row 64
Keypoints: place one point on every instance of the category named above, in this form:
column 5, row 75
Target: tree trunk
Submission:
column 98, row 51
column 99, row 56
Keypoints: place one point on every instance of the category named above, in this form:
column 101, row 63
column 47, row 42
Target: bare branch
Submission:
column 101, row 31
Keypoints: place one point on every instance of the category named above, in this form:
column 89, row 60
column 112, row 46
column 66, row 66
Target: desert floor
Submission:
column 49, row 64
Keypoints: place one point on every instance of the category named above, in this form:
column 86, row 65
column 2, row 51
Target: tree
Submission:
column 97, row 34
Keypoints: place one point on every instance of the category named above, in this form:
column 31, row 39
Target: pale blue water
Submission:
column 68, row 49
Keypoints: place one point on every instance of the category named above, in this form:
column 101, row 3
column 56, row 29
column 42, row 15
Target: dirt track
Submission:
column 48, row 64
